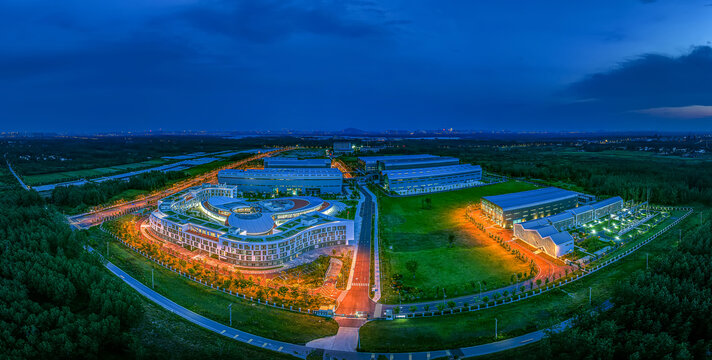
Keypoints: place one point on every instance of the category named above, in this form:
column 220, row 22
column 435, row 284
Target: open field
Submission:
column 247, row 316
column 515, row 319
column 438, row 237
column 89, row 173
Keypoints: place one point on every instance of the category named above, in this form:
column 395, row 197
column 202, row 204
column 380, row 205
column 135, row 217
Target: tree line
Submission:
column 92, row 194
column 663, row 313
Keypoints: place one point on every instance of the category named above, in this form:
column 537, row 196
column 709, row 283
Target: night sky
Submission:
column 108, row 65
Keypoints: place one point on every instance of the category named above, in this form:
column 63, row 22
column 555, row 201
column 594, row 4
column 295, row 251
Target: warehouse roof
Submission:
column 433, row 171
column 606, row 202
column 282, row 173
column 416, row 162
column 373, row 159
column 530, row 198
column 281, row 161
column 560, row 217
column 580, row 210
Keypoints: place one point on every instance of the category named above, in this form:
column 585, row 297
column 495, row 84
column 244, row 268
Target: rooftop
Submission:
column 415, row 162
column 281, row 161
column 373, row 159
column 530, row 198
column 283, row 173
column 433, row 171
column 606, row 202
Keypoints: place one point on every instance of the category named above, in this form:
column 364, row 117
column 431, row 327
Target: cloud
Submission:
column 269, row 21
column 680, row 112
column 650, row 81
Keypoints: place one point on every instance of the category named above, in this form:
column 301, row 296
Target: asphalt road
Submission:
column 357, row 298
column 302, row 351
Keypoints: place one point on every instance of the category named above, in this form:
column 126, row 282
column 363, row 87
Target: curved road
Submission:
column 302, row 351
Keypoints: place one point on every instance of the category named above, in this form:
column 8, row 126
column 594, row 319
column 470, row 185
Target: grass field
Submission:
column 56, row 177
column 410, row 232
column 247, row 316
column 515, row 319
column 162, row 335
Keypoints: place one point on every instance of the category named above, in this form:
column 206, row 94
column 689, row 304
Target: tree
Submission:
column 451, row 304
column 538, row 282
column 451, row 239
column 412, row 267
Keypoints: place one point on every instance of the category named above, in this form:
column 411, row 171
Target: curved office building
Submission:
column 259, row 234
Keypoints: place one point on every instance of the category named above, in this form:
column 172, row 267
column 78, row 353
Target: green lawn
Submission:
column 447, row 332
column 89, row 173
column 408, row 231
column 247, row 316
column 163, row 335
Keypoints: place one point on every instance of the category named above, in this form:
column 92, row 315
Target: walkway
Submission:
column 247, row 338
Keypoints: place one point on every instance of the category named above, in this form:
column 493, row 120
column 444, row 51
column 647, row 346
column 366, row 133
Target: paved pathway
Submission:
column 24, row 186
column 268, row 344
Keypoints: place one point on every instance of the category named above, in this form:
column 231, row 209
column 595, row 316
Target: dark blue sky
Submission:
column 249, row 65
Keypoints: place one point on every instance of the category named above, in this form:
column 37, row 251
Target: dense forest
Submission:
column 56, row 300
column 664, row 313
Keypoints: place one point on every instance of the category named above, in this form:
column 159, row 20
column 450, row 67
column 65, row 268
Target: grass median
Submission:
column 247, row 316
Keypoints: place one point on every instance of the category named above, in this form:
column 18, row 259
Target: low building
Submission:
column 548, row 233
column 542, row 235
column 293, row 181
column 432, row 179
column 290, row 163
column 607, row 206
column 343, row 147
column 582, row 214
column 254, row 234
column 393, row 164
column 370, row 163
column 509, row 209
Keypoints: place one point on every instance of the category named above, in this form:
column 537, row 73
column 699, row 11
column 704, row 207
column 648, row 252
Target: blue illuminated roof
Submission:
column 530, row 198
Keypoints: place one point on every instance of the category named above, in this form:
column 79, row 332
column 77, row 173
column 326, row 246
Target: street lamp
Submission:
column 230, row 309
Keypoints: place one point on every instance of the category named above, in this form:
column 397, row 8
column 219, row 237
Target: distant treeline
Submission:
column 97, row 152
column 56, row 302
column 671, row 180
